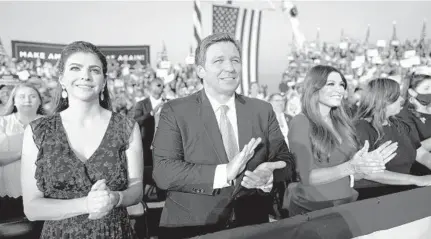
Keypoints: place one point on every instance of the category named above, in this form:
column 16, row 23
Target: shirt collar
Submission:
column 154, row 99
column 216, row 105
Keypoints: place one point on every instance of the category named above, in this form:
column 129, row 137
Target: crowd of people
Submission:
column 349, row 122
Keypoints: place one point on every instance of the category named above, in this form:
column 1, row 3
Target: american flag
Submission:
column 244, row 24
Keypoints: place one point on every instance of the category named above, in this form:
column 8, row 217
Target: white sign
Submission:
column 165, row 64
column 372, row 52
column 360, row 59
column 161, row 73
column 356, row 64
column 415, row 60
column 395, row 43
column 118, row 83
column 405, row 63
column 377, row 60
column 190, row 60
column 381, row 43
column 409, row 54
column 343, row 45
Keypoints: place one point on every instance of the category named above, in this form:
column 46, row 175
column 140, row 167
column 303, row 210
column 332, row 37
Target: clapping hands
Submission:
column 100, row 200
column 364, row 162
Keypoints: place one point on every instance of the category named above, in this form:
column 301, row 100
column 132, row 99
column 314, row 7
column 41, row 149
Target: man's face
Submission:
column 156, row 87
column 222, row 69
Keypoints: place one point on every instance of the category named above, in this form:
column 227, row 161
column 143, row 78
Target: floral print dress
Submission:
column 60, row 174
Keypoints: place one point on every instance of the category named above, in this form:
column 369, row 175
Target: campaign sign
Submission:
column 31, row 51
column 131, row 54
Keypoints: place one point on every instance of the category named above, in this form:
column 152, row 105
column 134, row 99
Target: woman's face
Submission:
column 83, row 76
column 331, row 95
column 27, row 100
column 394, row 108
column 4, row 94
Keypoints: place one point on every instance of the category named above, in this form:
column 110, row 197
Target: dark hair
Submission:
column 378, row 94
column 322, row 136
column 60, row 103
column 201, row 50
column 415, row 81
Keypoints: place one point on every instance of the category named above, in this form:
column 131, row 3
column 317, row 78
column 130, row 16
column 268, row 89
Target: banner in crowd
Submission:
column 244, row 24
column 31, row 51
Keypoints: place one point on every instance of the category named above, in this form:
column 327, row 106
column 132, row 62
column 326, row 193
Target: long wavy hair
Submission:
column 323, row 137
column 10, row 108
column 60, row 103
column 378, row 94
column 415, row 81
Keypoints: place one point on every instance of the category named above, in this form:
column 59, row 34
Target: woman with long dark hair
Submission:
column 83, row 165
column 23, row 106
column 376, row 123
column 323, row 140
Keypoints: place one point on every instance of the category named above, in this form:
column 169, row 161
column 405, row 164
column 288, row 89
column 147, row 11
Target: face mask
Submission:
column 424, row 99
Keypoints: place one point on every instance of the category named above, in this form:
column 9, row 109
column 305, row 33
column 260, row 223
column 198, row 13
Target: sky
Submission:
column 154, row 22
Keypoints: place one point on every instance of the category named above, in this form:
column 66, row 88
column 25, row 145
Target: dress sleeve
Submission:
column 300, row 146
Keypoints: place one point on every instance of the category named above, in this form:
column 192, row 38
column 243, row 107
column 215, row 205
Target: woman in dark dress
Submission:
column 376, row 123
column 417, row 114
column 82, row 166
column 324, row 143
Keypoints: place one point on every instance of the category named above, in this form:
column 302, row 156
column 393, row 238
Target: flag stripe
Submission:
column 238, row 36
column 197, row 22
column 197, row 37
column 245, row 48
column 198, row 11
column 254, row 36
column 242, row 47
column 250, row 49
column 257, row 46
column 198, row 26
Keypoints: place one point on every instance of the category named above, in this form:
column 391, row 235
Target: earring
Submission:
column 63, row 92
column 101, row 95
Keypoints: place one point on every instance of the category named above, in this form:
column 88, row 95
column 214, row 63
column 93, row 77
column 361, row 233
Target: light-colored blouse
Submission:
column 11, row 137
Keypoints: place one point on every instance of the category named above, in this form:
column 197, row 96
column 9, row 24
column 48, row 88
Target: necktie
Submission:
column 227, row 133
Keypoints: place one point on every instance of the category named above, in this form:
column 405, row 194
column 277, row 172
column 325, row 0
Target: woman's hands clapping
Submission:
column 364, row 162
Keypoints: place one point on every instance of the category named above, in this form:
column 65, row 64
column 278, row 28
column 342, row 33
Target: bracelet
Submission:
column 120, row 200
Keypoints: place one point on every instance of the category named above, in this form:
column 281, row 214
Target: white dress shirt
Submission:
column 281, row 118
column 155, row 103
column 220, row 177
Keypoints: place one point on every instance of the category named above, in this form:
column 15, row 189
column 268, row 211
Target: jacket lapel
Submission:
column 148, row 104
column 245, row 130
column 209, row 120
column 244, row 121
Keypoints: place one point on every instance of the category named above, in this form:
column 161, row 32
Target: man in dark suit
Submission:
column 146, row 113
column 212, row 184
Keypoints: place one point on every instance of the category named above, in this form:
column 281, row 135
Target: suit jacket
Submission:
column 147, row 125
column 187, row 148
